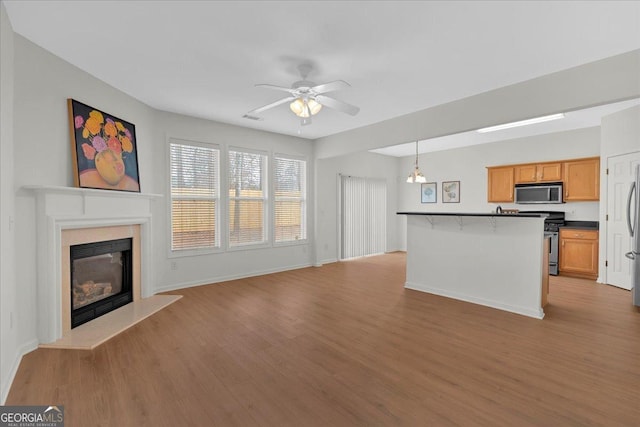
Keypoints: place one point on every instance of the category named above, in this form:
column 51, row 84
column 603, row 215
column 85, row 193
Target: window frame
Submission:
column 305, row 200
column 266, row 200
column 219, row 205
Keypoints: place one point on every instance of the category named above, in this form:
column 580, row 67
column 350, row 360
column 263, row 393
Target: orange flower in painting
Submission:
column 89, row 151
column 94, row 123
column 110, row 129
column 126, row 144
column 93, row 126
column 120, row 126
column 96, row 115
column 114, row 145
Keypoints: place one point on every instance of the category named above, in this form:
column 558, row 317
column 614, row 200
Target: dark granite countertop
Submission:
column 583, row 225
column 518, row 215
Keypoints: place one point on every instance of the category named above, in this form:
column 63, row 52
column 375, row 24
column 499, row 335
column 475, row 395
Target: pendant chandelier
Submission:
column 416, row 176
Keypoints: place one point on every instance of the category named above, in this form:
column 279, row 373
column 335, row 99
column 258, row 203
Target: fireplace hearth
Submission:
column 101, row 278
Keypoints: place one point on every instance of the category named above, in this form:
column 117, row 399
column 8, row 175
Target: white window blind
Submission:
column 290, row 199
column 247, row 198
column 195, row 170
column 364, row 216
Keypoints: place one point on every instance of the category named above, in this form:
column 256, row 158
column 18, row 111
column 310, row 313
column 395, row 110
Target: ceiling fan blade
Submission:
column 337, row 105
column 273, row 104
column 331, row 86
column 282, row 88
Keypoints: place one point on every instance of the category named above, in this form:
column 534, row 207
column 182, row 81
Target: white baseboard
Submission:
column 536, row 314
column 326, row 261
column 219, row 279
column 22, row 350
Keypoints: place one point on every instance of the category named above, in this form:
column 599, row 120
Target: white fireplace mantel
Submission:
column 61, row 208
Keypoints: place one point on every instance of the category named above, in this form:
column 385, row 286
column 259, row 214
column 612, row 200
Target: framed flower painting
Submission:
column 428, row 192
column 104, row 149
column 451, row 192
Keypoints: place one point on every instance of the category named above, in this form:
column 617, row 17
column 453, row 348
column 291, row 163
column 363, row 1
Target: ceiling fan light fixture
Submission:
column 297, row 107
column 305, row 107
column 314, row 106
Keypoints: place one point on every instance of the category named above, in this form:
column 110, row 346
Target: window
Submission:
column 247, row 198
column 290, row 200
column 195, row 198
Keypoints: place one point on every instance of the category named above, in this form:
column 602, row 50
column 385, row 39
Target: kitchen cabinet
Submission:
column 540, row 172
column 579, row 253
column 500, row 184
column 582, row 180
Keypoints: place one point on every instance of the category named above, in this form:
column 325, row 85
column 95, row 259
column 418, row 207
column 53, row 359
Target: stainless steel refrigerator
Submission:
column 633, row 222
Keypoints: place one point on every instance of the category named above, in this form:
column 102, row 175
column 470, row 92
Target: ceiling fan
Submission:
column 307, row 99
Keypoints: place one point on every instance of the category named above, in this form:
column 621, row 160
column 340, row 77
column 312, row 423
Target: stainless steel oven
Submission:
column 552, row 223
column 553, row 252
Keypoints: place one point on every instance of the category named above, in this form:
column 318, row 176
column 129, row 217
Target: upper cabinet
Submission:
column 582, row 179
column 541, row 172
column 500, row 188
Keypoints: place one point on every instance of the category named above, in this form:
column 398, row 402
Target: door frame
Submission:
column 604, row 208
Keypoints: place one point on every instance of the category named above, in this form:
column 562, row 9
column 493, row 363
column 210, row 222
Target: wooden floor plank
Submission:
column 346, row 345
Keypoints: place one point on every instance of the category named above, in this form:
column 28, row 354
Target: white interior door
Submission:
column 618, row 241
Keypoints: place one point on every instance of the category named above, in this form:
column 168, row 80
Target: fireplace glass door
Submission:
column 100, row 279
column 96, row 278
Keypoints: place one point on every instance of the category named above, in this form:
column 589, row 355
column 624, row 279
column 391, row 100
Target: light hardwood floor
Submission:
column 347, row 345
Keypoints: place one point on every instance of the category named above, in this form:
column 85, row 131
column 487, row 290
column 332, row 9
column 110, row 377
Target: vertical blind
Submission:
column 364, row 216
column 247, row 198
column 195, row 170
column 290, row 199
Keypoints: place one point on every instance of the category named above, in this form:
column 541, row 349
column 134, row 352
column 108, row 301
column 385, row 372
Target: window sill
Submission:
column 300, row 242
column 194, row 252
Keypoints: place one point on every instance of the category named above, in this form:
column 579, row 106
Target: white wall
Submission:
column 9, row 345
column 231, row 264
column 620, row 134
column 365, row 165
column 468, row 165
column 42, row 82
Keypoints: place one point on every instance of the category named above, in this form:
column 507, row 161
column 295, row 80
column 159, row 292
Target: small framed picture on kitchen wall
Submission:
column 451, row 192
column 428, row 192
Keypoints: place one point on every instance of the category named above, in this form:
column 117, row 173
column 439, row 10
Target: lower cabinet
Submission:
column 579, row 253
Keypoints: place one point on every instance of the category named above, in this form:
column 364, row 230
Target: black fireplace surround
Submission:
column 101, row 279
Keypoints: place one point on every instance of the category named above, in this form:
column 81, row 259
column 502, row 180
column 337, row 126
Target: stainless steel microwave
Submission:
column 548, row 193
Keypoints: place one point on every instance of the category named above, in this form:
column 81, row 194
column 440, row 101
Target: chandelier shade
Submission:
column 416, row 177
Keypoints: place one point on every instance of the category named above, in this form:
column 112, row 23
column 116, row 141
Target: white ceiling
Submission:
column 580, row 119
column 203, row 58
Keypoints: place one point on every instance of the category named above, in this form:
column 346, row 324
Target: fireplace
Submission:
column 101, row 278
column 68, row 216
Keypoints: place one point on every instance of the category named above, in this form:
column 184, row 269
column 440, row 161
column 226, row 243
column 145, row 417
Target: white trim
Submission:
column 88, row 192
column 304, row 200
column 176, row 253
column 265, row 199
column 58, row 209
column 20, row 353
column 220, row 279
column 537, row 314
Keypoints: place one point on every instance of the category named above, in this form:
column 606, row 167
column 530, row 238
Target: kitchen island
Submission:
column 496, row 260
